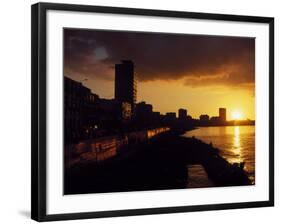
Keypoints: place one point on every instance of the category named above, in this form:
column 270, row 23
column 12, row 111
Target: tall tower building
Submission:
column 125, row 83
column 222, row 114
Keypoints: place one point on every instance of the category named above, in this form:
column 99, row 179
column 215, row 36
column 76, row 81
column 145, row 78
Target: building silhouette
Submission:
column 182, row 114
column 112, row 112
column 171, row 115
column 204, row 118
column 79, row 110
column 86, row 115
column 144, row 114
column 125, row 83
column 222, row 114
column 143, row 110
column 170, row 118
column 215, row 120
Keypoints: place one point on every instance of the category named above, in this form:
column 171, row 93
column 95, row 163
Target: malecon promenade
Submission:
column 155, row 163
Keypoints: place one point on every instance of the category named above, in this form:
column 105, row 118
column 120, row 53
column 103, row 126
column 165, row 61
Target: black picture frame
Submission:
column 39, row 122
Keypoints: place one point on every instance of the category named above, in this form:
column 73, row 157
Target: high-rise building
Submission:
column 125, row 82
column 182, row 114
column 222, row 114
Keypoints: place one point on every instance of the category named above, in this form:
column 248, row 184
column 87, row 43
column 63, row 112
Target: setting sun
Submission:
column 236, row 115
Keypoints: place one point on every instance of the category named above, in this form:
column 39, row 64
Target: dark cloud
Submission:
column 200, row 60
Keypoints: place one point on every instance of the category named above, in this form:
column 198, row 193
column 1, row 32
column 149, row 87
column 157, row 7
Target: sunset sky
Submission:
column 195, row 72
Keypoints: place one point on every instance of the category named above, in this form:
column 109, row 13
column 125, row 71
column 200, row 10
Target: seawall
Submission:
column 158, row 163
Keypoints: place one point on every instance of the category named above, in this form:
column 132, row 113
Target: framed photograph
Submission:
column 139, row 111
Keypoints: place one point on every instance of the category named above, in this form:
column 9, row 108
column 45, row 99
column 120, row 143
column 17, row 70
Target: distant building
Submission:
column 215, row 120
column 125, row 83
column 143, row 109
column 182, row 114
column 111, row 111
column 172, row 115
column 189, row 118
column 222, row 114
column 204, row 117
column 144, row 114
column 170, row 118
column 156, row 117
column 156, row 114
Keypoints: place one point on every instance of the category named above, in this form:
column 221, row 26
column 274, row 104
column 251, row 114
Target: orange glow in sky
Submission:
column 169, row 96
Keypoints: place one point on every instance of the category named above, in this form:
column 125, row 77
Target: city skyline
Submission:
column 91, row 56
column 179, row 113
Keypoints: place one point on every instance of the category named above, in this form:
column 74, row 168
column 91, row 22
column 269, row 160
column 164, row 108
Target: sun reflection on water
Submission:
column 237, row 144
